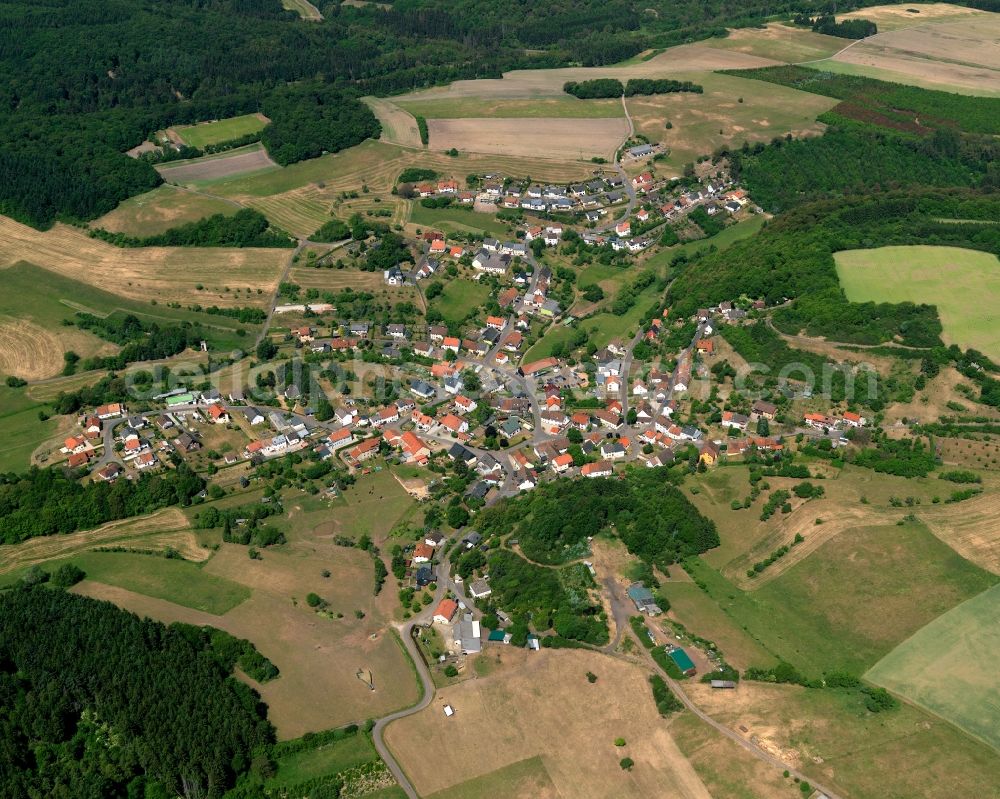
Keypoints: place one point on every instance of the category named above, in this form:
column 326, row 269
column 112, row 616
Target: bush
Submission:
column 314, row 600
column 626, row 763
column 665, row 700
column 67, row 575
column 450, row 670
column 619, row 742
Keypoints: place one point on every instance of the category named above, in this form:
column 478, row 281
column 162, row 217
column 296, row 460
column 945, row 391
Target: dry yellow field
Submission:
column 161, row 273
column 893, row 17
column 972, row 529
column 781, row 42
column 161, row 209
column 549, row 82
column 540, row 704
column 165, row 528
column 961, row 53
column 545, row 138
column 33, row 352
column 398, row 125
column 318, row 657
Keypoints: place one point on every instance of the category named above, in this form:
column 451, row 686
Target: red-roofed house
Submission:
column 365, row 450
column 562, row 462
column 455, row 424
column 599, row 469
column 218, row 414
column 705, row 345
column 854, row 419
column 423, row 553
column 445, row 611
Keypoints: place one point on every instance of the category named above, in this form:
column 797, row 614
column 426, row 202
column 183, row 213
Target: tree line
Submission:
column 600, row 88
column 246, row 228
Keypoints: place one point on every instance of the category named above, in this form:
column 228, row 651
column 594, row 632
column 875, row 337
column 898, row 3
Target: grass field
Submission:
column 163, row 274
column 220, row 130
column 540, row 705
column 526, row 777
column 955, row 81
column 176, row 581
column 903, row 754
column 781, row 43
column 161, row 209
column 693, row 608
column 459, row 298
column 553, row 137
column 544, row 83
column 327, row 759
column 544, row 108
column 949, row 667
column 703, row 122
column 457, row 220
column 21, row 431
column 167, row 527
column 50, row 298
column 944, row 276
column 853, row 599
column 727, row 769
column 318, row 655
column 894, row 17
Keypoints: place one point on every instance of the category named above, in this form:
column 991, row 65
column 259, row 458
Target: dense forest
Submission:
column 47, row 501
column 246, row 228
column 792, row 258
column 85, row 80
column 652, row 517
column 96, row 702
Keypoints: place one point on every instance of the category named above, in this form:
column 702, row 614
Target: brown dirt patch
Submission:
column 146, row 273
column 238, row 162
column 553, row 138
column 546, row 707
column 168, row 527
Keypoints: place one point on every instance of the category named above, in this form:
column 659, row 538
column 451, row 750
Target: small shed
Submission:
column 449, row 711
column 683, row 661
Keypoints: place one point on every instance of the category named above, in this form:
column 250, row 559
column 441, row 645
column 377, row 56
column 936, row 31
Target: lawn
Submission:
column 458, row 220
column 177, row 581
column 162, row 208
column 944, row 276
column 326, row 759
column 460, row 298
column 220, row 130
column 949, row 667
column 465, row 107
column 852, row 600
